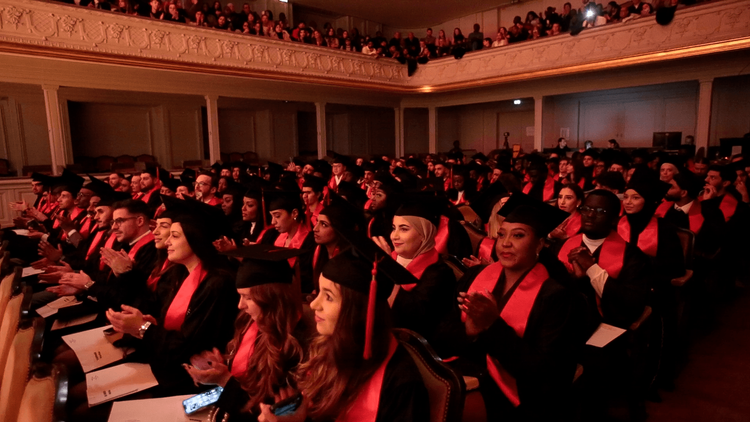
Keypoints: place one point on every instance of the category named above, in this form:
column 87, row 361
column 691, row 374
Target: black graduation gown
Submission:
column 403, row 396
column 669, row 262
column 128, row 288
column 305, row 260
column 625, row 297
column 537, row 190
column 429, row 307
column 708, row 239
column 543, row 361
column 459, row 243
column 208, row 324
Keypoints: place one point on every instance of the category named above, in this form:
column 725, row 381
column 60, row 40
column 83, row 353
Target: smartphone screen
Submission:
column 288, row 406
column 202, row 400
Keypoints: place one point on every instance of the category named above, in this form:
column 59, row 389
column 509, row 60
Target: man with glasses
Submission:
column 614, row 277
column 206, row 185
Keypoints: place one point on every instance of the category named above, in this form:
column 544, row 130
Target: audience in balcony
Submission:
column 246, row 21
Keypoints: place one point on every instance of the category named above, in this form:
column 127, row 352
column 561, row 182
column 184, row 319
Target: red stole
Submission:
column 695, row 216
column 480, row 181
column 159, row 211
column 447, row 183
column 332, row 185
column 179, row 306
column 213, row 201
column 43, row 205
column 109, row 244
column 441, row 237
column 73, row 215
column 418, row 265
column 86, row 227
column 549, row 189
column 369, row 228
column 365, row 406
column 461, row 201
column 296, row 242
column 95, row 242
column 145, row 197
column 316, row 254
column 368, row 204
column 611, row 255
column 648, row 240
column 153, row 280
column 574, row 224
column 144, row 240
column 312, row 217
column 244, row 351
column 137, row 196
column 582, row 183
column 728, row 206
column 515, row 313
column 485, row 248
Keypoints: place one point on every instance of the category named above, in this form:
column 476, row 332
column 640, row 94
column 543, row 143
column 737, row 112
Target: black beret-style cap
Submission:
column 99, row 187
column 264, row 264
column 314, row 182
column 209, row 220
column 422, row 204
column 282, row 200
column 111, row 197
column 42, row 178
column 540, row 216
column 646, row 182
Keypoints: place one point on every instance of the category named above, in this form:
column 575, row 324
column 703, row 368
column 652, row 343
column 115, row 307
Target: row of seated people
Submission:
column 246, row 21
column 206, row 279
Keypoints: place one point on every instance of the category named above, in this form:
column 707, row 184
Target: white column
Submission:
column 538, row 133
column 320, row 120
column 399, row 131
column 214, row 142
column 432, row 123
column 703, row 124
column 54, row 128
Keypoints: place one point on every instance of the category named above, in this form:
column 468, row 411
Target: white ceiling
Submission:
column 403, row 13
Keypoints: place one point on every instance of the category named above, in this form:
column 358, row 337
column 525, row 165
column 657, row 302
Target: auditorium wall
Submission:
column 23, row 126
column 730, row 111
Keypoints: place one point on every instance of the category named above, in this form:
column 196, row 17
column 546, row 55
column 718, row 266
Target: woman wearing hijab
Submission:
column 428, row 303
column 522, row 327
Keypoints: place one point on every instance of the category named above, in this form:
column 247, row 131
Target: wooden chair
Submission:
column 44, row 169
column 145, row 158
column 475, row 236
column 45, row 395
column 444, row 387
column 104, row 163
column 123, row 167
column 250, row 157
column 127, row 159
column 224, row 157
column 18, row 367
column 235, row 157
column 8, row 287
column 5, row 170
column 89, row 163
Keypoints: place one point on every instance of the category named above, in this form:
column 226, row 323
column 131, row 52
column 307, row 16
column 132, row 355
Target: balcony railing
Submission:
column 61, row 31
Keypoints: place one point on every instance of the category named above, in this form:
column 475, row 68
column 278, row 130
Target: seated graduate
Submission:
column 385, row 201
column 612, row 274
column 199, row 308
column 569, row 199
column 252, row 216
column 128, row 258
column 639, row 226
column 525, row 326
column 427, row 303
column 270, row 338
column 290, row 231
column 541, row 184
column 312, row 196
column 682, row 209
column 357, row 371
column 232, row 203
column 336, row 221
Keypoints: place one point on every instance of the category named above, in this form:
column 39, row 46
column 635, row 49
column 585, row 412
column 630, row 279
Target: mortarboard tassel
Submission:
column 371, row 311
column 263, row 208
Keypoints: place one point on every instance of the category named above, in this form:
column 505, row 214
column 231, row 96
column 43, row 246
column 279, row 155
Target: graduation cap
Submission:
column 423, row 204
column 388, row 183
column 338, row 158
column 111, row 197
column 413, row 162
column 69, row 182
column 591, row 152
column 206, row 219
column 282, row 200
column 646, row 182
column 352, row 192
column 479, row 156
column 366, row 269
column 173, row 207
column 408, row 180
column 171, row 184
column 153, row 171
column 99, row 187
column 316, row 183
column 264, row 264
column 322, row 167
column 45, row 180
column 540, row 216
column 483, row 204
column 216, row 167
column 235, row 189
column 688, row 182
column 357, row 171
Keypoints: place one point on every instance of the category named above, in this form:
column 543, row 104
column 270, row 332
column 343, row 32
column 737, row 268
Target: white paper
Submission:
column 155, row 410
column 472, row 383
column 21, row 232
column 93, row 349
column 59, row 325
column 52, row 307
column 604, row 335
column 736, row 149
column 118, row 381
column 29, row 271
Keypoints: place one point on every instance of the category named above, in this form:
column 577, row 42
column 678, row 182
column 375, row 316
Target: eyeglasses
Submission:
column 119, row 221
column 586, row 210
column 201, row 184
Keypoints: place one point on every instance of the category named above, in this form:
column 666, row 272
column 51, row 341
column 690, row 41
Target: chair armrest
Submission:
column 680, row 281
column 472, row 383
column 644, row 316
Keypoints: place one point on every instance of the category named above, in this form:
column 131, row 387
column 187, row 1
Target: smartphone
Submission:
column 110, row 331
column 287, row 406
column 202, row 400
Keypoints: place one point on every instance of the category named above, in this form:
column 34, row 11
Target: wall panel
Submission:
column 109, row 129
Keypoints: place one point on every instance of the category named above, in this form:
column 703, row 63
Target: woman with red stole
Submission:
column 270, row 335
column 199, row 305
column 569, row 199
column 357, row 371
column 336, row 221
column 525, row 328
column 640, row 227
column 426, row 303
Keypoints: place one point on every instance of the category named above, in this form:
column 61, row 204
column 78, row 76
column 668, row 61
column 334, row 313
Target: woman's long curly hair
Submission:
column 277, row 351
column 336, row 371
